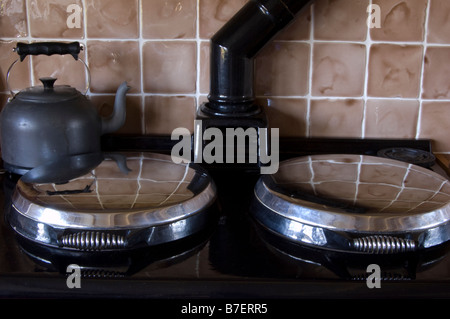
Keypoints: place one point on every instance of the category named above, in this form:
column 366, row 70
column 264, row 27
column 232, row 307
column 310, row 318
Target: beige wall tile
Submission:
column 400, row 20
column 338, row 69
column 165, row 113
column 282, row 68
column 48, row 19
column 434, row 124
column 112, row 19
column 391, row 118
column 13, row 18
column 170, row 67
column 340, row 20
column 336, row 118
column 215, row 13
column 20, row 73
column 204, row 67
column 395, row 70
column 439, row 22
column 111, row 63
column 171, row 19
column 436, row 73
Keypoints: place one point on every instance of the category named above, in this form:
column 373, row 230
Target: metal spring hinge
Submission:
column 93, row 240
column 383, row 245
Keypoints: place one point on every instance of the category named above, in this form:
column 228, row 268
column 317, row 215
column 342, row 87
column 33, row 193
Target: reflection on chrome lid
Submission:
column 346, row 198
column 155, row 191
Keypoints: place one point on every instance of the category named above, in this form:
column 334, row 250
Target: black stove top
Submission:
column 234, row 258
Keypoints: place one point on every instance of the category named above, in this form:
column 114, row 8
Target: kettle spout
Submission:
column 116, row 120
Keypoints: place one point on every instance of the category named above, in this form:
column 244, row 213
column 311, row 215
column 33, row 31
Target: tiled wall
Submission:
column 327, row 74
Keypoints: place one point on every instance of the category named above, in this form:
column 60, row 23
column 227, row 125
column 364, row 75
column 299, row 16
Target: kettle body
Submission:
column 41, row 124
column 54, row 124
column 45, row 123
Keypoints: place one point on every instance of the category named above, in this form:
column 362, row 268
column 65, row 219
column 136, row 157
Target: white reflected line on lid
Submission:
column 431, row 197
column 141, row 163
column 178, row 186
column 355, row 199
column 311, row 169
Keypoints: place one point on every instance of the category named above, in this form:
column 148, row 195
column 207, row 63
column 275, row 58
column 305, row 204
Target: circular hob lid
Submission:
column 155, row 191
column 354, row 194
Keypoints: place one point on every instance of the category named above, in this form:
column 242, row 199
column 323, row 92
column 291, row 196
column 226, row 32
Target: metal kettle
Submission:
column 54, row 124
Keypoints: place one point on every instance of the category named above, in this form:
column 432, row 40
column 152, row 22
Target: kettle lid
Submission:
column 48, row 93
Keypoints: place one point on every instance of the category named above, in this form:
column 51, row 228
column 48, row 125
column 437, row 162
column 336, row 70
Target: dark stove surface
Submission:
column 234, row 259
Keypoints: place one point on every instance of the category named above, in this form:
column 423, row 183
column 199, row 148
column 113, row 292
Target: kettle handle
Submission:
column 47, row 48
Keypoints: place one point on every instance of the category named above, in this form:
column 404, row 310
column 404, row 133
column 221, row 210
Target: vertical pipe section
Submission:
column 234, row 47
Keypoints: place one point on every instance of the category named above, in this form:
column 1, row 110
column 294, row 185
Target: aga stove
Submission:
column 150, row 228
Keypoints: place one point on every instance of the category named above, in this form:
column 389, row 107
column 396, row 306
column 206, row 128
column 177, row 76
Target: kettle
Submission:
column 54, row 124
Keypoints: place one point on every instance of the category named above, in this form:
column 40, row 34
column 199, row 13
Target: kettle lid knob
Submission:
column 48, row 82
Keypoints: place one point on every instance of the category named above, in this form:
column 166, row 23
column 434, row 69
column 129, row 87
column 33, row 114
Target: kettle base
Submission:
column 20, row 170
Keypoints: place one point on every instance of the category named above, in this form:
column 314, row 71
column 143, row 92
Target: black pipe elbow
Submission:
column 234, row 47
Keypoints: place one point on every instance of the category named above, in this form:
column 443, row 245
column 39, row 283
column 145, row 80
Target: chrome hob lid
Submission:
column 354, row 203
column 157, row 201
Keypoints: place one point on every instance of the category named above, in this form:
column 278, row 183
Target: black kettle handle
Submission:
column 48, row 48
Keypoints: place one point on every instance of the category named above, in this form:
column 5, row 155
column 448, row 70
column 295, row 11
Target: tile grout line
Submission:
column 424, row 50
column 398, row 43
column 348, row 98
column 70, row 39
column 29, row 38
column 137, row 39
column 141, row 62
column 317, row 98
column 87, row 77
column 310, row 75
column 367, row 46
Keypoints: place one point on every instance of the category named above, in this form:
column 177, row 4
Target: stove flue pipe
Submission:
column 234, row 47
